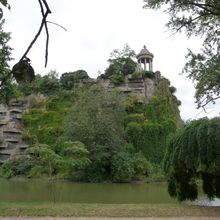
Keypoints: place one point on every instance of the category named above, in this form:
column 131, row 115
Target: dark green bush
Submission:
column 149, row 74
column 116, row 79
column 18, row 166
column 122, row 166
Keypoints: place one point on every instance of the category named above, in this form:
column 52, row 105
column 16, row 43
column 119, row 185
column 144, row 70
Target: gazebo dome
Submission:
column 144, row 53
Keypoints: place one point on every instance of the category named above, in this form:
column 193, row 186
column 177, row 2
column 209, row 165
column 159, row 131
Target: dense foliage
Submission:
column 84, row 132
column 200, row 17
column 120, row 64
column 149, row 124
column 194, row 153
column 6, row 87
column 69, row 79
column 97, row 120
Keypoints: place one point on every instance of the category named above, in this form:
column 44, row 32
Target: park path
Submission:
column 108, row 218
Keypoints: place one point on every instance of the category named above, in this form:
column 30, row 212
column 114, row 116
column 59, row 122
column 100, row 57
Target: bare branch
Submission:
column 43, row 23
column 50, row 22
column 47, row 34
column 208, row 101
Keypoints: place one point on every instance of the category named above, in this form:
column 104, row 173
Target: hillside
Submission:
column 114, row 128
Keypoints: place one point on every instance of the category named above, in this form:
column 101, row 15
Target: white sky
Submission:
column 94, row 29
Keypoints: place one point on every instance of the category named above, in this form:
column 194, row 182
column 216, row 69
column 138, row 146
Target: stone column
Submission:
column 150, row 65
column 145, row 64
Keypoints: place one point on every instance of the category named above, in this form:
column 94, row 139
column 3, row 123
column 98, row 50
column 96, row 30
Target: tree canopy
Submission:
column 198, row 18
column 69, row 79
column 194, row 153
column 121, row 63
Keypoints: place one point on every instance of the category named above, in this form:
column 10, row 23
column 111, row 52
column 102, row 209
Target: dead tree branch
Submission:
column 43, row 4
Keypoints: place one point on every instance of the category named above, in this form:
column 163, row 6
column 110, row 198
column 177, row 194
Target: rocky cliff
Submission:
column 11, row 129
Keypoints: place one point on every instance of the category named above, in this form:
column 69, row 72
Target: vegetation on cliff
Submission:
column 87, row 133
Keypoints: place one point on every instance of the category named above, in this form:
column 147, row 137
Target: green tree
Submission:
column 97, row 120
column 49, row 84
column 122, row 167
column 120, row 64
column 76, row 159
column 17, row 166
column 134, row 133
column 7, row 88
column 141, row 166
column 47, row 160
column 149, row 124
column 69, row 79
column 199, row 18
column 194, row 153
column 7, row 92
column 97, row 117
column 5, row 4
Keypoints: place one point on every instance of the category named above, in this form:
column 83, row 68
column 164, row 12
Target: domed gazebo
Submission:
column 145, row 57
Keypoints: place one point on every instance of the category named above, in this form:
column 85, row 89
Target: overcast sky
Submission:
column 94, row 29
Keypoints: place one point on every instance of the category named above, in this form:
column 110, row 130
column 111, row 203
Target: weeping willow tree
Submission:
column 193, row 154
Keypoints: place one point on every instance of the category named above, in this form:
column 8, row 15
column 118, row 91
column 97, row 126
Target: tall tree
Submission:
column 198, row 18
column 69, row 79
column 6, row 90
column 97, row 120
column 194, row 153
column 120, row 64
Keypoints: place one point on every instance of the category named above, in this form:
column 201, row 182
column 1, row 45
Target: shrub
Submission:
column 137, row 75
column 116, row 79
column 122, row 167
column 172, row 89
column 137, row 117
column 141, row 166
column 149, row 74
column 36, row 100
column 18, row 166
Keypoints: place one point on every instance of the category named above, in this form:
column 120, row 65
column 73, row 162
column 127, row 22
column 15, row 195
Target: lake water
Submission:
column 45, row 191
column 107, row 193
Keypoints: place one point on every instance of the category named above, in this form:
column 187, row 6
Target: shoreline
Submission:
column 107, row 218
column 11, row 209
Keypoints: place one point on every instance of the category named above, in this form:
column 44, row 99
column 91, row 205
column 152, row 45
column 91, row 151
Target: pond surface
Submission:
column 108, row 193
column 46, row 191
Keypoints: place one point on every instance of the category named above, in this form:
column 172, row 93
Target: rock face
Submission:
column 143, row 86
column 11, row 128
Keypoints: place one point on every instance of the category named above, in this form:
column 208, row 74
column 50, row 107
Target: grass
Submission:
column 105, row 210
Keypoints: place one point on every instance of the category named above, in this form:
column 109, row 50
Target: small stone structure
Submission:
column 142, row 85
column 11, row 128
column 145, row 57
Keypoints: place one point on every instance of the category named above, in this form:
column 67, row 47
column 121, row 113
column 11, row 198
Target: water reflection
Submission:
column 206, row 202
column 39, row 191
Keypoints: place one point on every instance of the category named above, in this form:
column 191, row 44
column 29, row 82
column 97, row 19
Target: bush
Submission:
column 122, row 167
column 28, row 138
column 172, row 89
column 37, row 172
column 137, row 75
column 149, row 74
column 36, row 100
column 141, row 166
column 137, row 117
column 116, row 79
column 76, row 159
column 18, row 166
